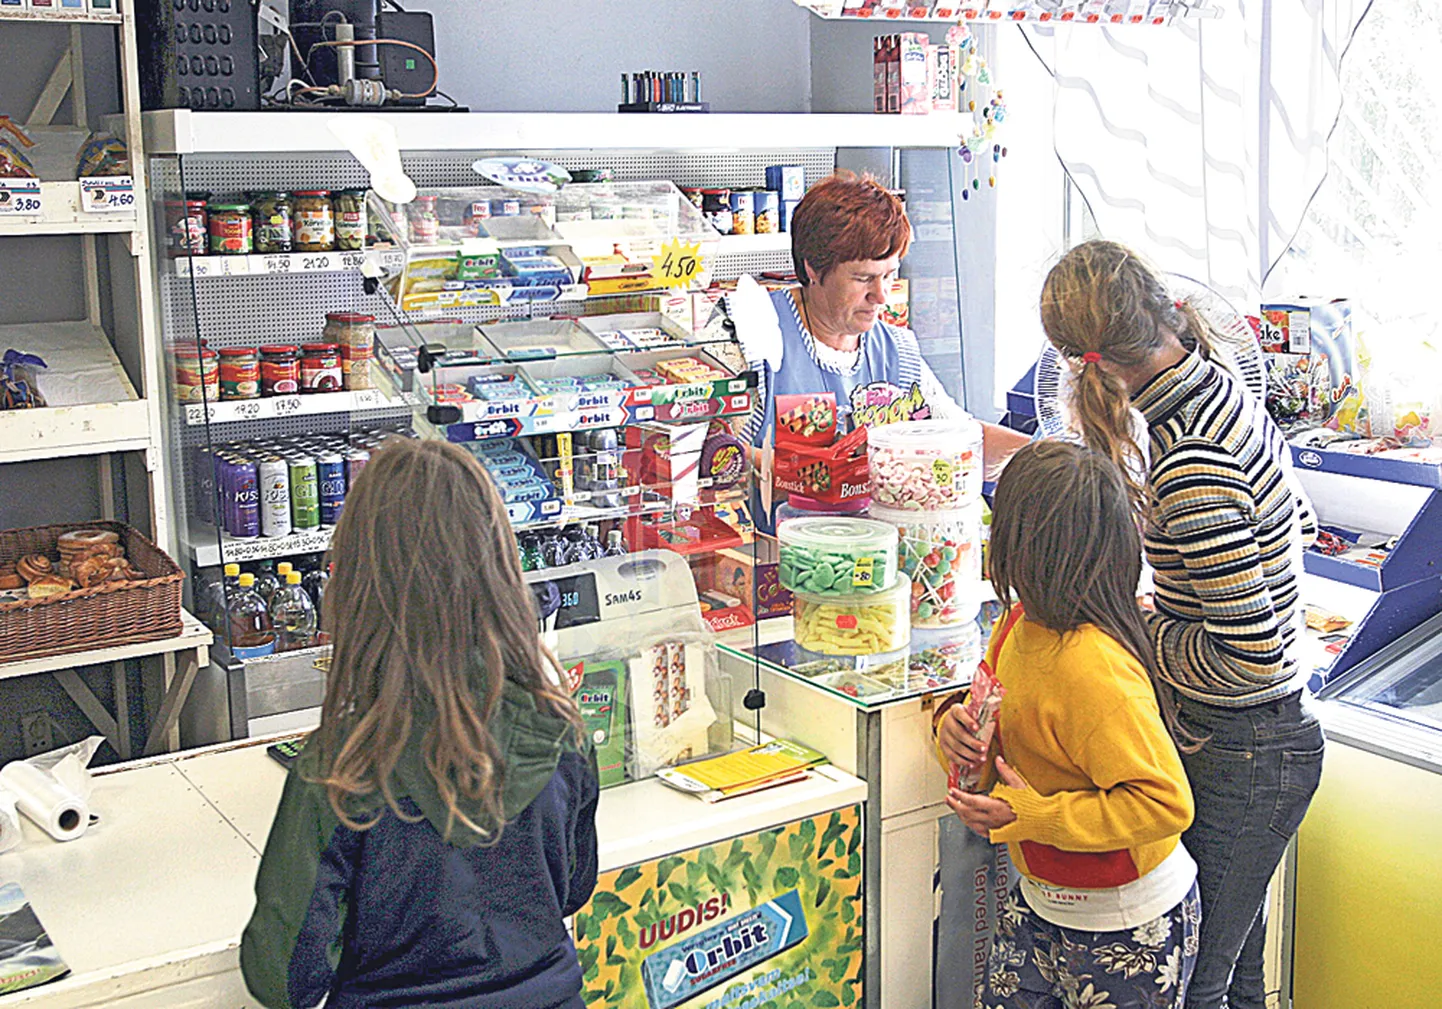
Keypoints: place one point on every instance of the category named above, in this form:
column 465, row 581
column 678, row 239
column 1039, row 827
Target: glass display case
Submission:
column 465, row 315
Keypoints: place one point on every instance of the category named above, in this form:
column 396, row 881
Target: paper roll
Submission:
column 9, row 822
column 60, row 812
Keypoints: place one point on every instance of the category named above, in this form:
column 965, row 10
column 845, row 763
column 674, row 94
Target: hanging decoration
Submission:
column 981, row 150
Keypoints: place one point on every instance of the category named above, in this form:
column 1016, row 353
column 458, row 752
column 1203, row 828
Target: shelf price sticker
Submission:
column 677, row 264
column 108, row 194
column 20, row 198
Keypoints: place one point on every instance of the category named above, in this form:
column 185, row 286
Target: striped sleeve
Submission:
column 1204, row 505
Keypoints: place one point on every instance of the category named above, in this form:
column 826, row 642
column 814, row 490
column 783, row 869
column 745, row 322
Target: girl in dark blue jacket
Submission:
column 440, row 823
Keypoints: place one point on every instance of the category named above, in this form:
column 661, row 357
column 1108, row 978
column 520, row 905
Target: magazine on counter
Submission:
column 27, row 957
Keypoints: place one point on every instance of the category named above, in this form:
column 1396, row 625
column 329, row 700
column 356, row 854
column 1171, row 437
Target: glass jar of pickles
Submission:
column 350, row 220
column 314, row 221
column 274, row 227
column 230, row 231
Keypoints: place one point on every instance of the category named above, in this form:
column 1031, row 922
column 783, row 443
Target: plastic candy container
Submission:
column 869, row 624
column 926, row 465
column 837, row 556
column 941, row 554
column 798, row 506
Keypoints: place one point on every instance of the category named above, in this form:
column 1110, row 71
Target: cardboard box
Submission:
column 915, row 92
column 600, row 692
column 897, row 310
column 789, row 181
column 941, row 69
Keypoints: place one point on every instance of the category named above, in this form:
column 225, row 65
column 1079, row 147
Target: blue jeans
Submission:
column 1252, row 782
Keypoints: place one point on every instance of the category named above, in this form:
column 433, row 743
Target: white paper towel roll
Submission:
column 9, row 822
column 60, row 812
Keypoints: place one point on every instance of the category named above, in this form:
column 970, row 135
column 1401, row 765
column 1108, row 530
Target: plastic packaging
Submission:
column 926, row 465
column 798, row 506
column 251, row 636
column 837, row 556
column 941, row 554
column 9, row 822
column 53, row 789
column 869, row 624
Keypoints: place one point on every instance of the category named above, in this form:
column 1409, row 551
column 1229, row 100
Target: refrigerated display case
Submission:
column 1366, row 886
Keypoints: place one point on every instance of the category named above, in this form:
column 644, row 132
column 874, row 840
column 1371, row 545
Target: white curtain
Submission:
column 1202, row 143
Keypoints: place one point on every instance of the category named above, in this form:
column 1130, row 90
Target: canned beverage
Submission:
column 304, row 492
column 274, row 477
column 245, row 492
column 330, row 471
column 355, row 461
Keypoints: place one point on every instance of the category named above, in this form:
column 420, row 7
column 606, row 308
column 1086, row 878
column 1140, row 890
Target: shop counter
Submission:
column 148, row 906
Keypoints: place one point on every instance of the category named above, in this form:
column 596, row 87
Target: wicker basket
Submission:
column 112, row 613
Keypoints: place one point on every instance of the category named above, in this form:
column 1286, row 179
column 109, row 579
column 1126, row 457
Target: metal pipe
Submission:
column 344, row 55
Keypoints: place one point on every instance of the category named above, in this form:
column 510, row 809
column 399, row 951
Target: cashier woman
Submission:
column 848, row 238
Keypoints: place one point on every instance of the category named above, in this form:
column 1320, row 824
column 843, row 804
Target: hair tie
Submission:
column 1179, row 304
column 1092, row 357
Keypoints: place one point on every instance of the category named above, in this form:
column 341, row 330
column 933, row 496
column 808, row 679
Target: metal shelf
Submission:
column 746, row 245
column 181, row 131
column 289, row 263
column 66, row 18
column 205, row 549
column 61, row 213
column 120, row 425
column 271, row 407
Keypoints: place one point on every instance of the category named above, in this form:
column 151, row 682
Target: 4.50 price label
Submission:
column 677, row 264
column 108, row 194
column 20, row 198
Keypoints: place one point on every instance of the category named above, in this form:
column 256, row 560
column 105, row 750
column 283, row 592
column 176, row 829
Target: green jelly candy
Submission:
column 924, row 610
column 821, row 579
column 949, row 553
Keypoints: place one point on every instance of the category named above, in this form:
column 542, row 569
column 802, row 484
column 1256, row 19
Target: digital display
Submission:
column 579, row 602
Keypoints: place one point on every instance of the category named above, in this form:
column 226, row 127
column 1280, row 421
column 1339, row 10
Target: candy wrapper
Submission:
column 831, row 473
column 983, row 704
column 14, row 162
column 103, row 154
column 806, row 419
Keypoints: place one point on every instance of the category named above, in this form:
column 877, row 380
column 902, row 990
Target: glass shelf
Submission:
column 937, row 660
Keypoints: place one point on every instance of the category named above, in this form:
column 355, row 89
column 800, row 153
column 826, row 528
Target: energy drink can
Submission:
column 330, row 471
column 245, row 492
column 274, row 497
column 355, row 461
column 304, row 492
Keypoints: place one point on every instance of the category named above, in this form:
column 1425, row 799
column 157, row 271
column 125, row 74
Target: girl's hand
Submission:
column 982, row 813
column 957, row 736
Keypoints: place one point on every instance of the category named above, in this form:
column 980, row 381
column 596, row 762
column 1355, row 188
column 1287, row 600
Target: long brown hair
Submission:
column 429, row 616
column 1103, row 302
column 1064, row 542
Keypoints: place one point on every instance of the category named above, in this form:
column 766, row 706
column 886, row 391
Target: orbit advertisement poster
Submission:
column 771, row 919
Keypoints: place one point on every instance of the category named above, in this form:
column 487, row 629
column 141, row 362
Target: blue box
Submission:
column 788, row 180
column 788, row 207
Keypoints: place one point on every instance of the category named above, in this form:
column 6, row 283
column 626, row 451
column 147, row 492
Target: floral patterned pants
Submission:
column 1037, row 965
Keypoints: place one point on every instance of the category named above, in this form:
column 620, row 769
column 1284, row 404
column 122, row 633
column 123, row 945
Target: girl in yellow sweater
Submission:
column 1090, row 795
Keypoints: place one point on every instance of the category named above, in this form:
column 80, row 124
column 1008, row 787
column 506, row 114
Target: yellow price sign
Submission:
column 677, row 264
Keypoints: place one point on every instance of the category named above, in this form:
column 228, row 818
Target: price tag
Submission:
column 108, row 194
column 284, row 406
column 677, row 264
column 248, row 410
column 863, row 572
column 352, row 260
column 201, row 266
column 943, row 472
column 277, row 264
column 20, row 198
column 319, row 263
column 368, row 399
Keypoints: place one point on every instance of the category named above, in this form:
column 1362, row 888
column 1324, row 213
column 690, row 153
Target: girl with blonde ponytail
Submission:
column 1224, row 529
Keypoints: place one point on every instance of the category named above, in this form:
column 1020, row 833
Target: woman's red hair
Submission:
column 843, row 219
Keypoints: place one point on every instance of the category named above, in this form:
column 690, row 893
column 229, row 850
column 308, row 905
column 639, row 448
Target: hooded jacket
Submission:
column 396, row 916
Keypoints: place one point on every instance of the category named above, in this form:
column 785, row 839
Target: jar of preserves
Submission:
column 239, row 373
column 353, row 332
column 350, row 220
column 274, row 227
column 187, row 226
column 320, row 369
column 197, row 375
column 279, row 370
column 314, row 221
column 424, row 221
column 230, row 233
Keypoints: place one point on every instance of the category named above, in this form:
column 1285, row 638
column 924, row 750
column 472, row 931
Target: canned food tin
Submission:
column 279, row 370
column 743, row 212
column 767, row 210
column 239, row 373
column 320, row 368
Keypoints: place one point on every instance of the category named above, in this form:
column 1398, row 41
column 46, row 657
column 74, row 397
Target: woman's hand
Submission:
column 982, row 813
column 957, row 736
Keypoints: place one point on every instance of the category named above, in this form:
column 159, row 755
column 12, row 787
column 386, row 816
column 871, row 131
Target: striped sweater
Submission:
column 1224, row 537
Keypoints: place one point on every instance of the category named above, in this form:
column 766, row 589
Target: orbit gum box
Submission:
column 713, row 956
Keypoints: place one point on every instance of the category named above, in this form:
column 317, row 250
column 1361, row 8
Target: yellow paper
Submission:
column 677, row 264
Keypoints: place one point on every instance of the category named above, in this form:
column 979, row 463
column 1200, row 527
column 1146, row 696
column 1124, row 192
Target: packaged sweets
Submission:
column 837, row 555
column 872, row 624
column 941, row 553
column 926, row 465
column 808, row 419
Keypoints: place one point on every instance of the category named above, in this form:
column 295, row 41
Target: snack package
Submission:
column 18, row 387
column 983, row 704
column 807, row 419
column 1313, row 376
column 14, row 162
column 831, row 473
column 103, row 154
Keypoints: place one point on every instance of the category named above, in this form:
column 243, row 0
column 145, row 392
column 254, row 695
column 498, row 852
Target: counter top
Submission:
column 153, row 898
